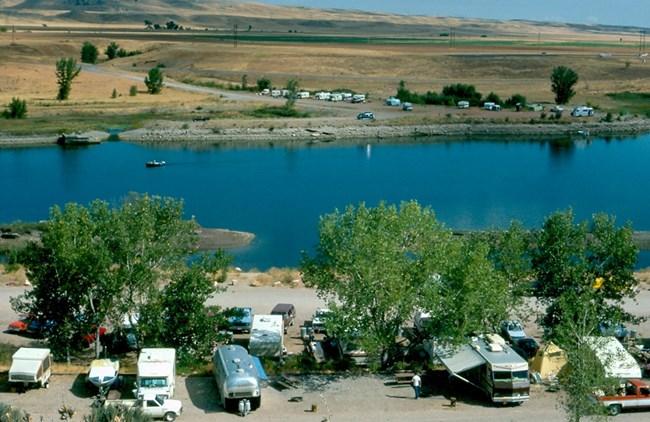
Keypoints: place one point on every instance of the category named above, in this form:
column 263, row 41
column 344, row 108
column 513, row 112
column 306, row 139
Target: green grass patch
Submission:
column 217, row 85
column 277, row 111
column 632, row 102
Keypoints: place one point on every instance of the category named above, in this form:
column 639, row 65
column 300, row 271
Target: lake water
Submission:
column 278, row 193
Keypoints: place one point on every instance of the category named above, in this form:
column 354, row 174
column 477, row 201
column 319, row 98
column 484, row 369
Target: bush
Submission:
column 516, row 99
column 154, row 80
column 89, row 53
column 133, row 91
column 111, row 50
column 16, row 109
column 493, row 98
column 263, row 83
column 459, row 92
column 608, row 117
column 114, row 94
column 13, row 414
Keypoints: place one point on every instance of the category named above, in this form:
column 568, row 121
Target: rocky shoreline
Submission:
column 263, row 135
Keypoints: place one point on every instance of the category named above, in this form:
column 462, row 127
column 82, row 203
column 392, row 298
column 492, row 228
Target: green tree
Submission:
column 292, row 88
column 96, row 264
column 578, row 257
column 154, row 80
column 179, row 318
column 133, row 91
column 263, row 83
column 66, row 71
column 113, row 413
column 111, row 50
column 584, row 373
column 563, row 79
column 376, row 266
column 244, row 82
column 16, row 109
column 494, row 98
column 89, row 53
column 516, row 99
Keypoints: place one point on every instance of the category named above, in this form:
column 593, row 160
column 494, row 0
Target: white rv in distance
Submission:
column 582, row 111
column 324, row 96
column 302, row 95
column 358, row 98
column 267, row 336
column 156, row 372
column 30, row 367
column 335, row 97
column 276, row 93
column 236, row 377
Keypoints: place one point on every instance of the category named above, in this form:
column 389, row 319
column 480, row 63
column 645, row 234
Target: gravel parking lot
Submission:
column 338, row 398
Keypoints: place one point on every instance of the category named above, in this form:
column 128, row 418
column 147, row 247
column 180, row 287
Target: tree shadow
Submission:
column 203, row 394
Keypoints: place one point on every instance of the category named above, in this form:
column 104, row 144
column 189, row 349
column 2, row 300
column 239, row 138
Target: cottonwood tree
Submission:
column 376, row 266
column 66, row 71
column 96, row 264
column 89, row 53
column 576, row 257
column 563, row 79
column 292, row 88
column 112, row 50
column 154, row 80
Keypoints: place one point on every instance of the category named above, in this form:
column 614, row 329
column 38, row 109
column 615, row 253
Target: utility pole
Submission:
column 234, row 36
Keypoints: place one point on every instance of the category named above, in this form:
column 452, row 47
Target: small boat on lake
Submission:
column 155, row 163
column 71, row 139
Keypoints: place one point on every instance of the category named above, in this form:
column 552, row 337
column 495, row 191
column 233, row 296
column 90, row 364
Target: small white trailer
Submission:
column 267, row 336
column 30, row 367
column 325, row 96
column 156, row 372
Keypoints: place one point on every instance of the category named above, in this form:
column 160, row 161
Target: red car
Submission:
column 19, row 326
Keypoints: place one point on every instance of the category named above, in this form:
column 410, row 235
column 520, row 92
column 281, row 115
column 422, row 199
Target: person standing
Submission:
column 416, row 383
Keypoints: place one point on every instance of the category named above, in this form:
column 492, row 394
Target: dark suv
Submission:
column 288, row 312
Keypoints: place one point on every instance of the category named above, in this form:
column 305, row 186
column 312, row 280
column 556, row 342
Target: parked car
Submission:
column 366, row 115
column 526, row 347
column 635, row 395
column 240, row 319
column 18, row 326
column 512, row 331
column 407, row 107
column 288, row 313
column 319, row 319
column 582, row 111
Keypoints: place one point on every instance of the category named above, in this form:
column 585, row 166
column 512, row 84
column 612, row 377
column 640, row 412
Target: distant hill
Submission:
column 263, row 17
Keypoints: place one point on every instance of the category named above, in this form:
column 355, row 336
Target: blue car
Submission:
column 240, row 320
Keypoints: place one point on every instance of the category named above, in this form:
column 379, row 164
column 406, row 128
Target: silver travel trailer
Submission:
column 489, row 364
column 236, row 377
column 30, row 367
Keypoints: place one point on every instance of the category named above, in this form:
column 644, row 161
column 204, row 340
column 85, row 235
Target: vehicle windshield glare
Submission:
column 153, row 382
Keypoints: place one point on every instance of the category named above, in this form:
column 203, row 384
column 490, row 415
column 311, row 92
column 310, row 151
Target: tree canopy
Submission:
column 89, row 53
column 97, row 264
column 563, row 79
column 66, row 71
column 154, row 80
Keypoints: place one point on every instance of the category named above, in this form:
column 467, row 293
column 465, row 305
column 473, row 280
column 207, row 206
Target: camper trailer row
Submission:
column 320, row 95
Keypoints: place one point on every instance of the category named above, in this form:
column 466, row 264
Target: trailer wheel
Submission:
column 256, row 402
column 170, row 416
column 614, row 409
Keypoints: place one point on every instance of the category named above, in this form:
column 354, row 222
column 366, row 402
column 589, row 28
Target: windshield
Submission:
column 511, row 376
column 153, row 382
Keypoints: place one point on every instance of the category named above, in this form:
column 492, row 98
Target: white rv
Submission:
column 462, row 104
column 236, row 377
column 30, row 367
column 582, row 111
column 276, row 93
column 336, row 97
column 156, row 372
column 322, row 96
column 267, row 336
column 302, row 94
column 358, row 98
column 489, row 364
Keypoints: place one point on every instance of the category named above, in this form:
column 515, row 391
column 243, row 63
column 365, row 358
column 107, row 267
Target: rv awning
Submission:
column 261, row 374
column 461, row 360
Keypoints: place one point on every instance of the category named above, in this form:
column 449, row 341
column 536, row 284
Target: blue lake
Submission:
column 279, row 192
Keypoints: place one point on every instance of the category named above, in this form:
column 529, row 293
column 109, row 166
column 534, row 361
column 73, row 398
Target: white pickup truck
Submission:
column 156, row 406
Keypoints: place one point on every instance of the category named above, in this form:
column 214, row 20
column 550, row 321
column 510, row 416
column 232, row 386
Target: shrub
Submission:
column 16, row 109
column 493, row 98
column 458, row 92
column 89, row 53
column 133, row 91
column 516, row 99
column 263, row 83
column 114, row 94
column 154, row 80
column 608, row 117
column 111, row 50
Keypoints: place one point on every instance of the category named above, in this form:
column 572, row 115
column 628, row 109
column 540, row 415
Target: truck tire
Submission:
column 170, row 416
column 614, row 409
column 256, row 402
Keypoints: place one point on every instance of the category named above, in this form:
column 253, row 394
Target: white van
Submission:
column 582, row 111
column 30, row 367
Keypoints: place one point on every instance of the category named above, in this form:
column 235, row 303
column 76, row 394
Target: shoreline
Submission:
column 325, row 134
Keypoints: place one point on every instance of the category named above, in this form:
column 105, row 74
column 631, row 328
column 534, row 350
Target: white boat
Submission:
column 103, row 372
column 155, row 163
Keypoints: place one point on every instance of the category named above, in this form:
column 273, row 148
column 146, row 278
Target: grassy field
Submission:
column 515, row 61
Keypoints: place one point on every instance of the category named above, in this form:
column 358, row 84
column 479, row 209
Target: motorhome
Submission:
column 236, row 377
column 267, row 336
column 303, row 94
column 30, row 367
column 322, row 96
column 462, row 104
column 276, row 93
column 156, row 372
column 392, row 101
column 491, row 106
column 358, row 98
column 336, row 97
column 347, row 96
column 490, row 365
